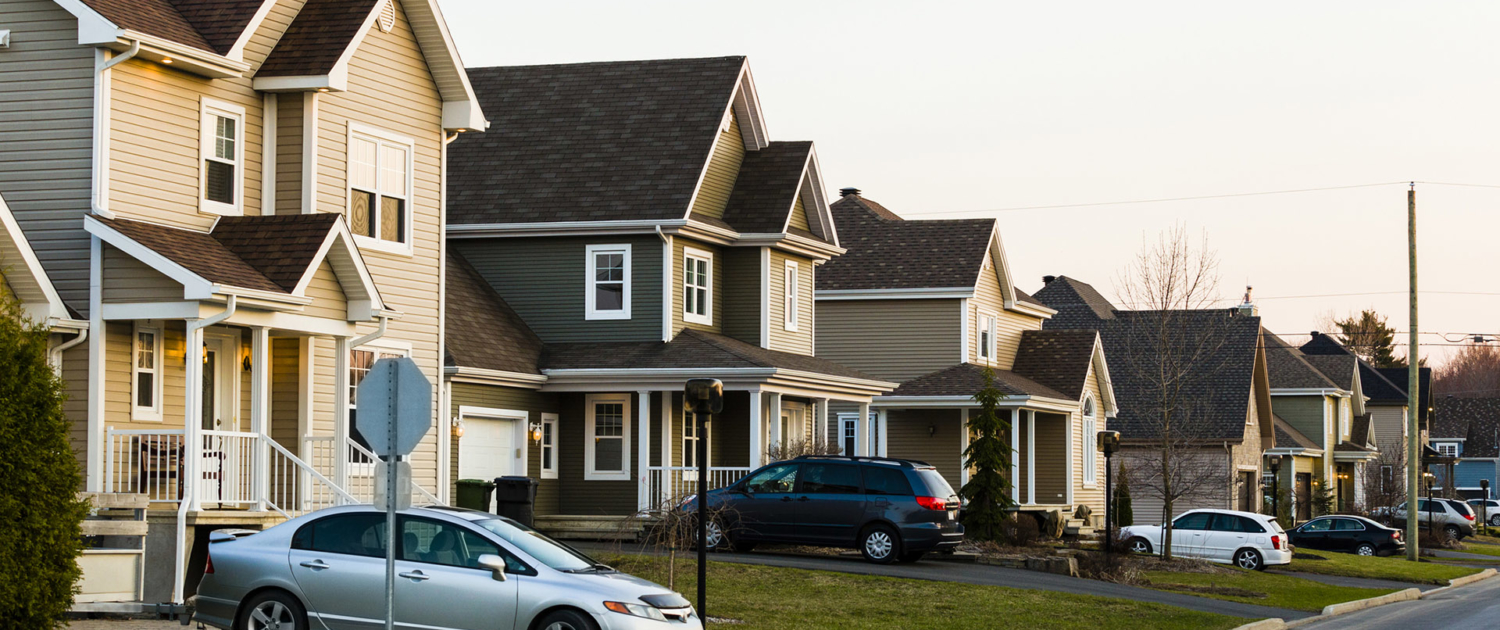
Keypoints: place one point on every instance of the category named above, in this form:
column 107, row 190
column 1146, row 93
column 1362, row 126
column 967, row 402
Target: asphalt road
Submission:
column 1469, row 607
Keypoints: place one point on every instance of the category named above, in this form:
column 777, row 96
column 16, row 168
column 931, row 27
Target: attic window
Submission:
column 222, row 155
column 387, row 20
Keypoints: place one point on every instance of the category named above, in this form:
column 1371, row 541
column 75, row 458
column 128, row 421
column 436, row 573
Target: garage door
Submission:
column 487, row 449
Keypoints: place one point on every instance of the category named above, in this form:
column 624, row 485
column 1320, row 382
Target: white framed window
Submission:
column 986, row 336
column 221, row 158
column 360, row 362
column 146, row 373
column 606, row 439
column 608, row 295
column 791, row 305
column 380, row 188
column 549, row 446
column 697, row 286
column 1344, row 417
column 1447, row 449
column 1090, row 442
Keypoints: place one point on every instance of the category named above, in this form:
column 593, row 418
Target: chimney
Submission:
column 1048, row 279
column 1315, row 334
column 1249, row 309
column 845, row 192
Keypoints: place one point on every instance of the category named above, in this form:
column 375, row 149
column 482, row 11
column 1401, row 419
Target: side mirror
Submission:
column 495, row 564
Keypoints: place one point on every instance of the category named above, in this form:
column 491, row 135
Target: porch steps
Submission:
column 1077, row 527
column 574, row 527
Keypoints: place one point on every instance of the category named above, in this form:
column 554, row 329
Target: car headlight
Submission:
column 636, row 610
column 686, row 501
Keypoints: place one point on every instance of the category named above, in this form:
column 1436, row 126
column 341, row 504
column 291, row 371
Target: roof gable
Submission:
column 1078, row 304
column 1289, row 369
column 1063, row 360
column 24, row 274
column 966, row 379
column 482, row 331
column 893, row 253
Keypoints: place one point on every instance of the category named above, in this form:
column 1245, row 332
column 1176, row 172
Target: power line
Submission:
column 1325, row 295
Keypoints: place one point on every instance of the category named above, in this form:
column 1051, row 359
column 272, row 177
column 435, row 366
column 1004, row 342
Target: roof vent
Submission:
column 845, row 192
column 387, row 20
column 1048, row 279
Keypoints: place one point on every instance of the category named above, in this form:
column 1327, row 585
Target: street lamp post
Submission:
column 1484, row 503
column 703, row 397
column 1275, row 461
column 1109, row 442
column 1428, row 477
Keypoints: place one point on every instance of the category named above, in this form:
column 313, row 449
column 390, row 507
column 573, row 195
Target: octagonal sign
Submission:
column 394, row 392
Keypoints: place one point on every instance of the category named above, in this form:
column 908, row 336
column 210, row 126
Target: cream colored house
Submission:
column 244, row 200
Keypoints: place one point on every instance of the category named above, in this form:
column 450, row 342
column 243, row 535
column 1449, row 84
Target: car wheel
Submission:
column 272, row 610
column 1138, row 545
column 566, row 620
column 880, row 544
column 1453, row 533
column 1495, row 520
column 714, row 532
column 1249, row 559
column 912, row 556
column 1365, row 549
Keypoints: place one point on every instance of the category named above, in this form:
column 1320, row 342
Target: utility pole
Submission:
column 1413, row 396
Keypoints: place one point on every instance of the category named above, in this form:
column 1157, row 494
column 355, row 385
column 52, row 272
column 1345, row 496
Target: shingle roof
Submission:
column 211, row 25
column 892, row 253
column 1400, row 377
column 1289, row 369
column 269, row 253
column 1287, row 436
column 1475, row 419
column 1377, row 383
column 220, row 22
column 622, row 140
column 1059, row 359
column 690, row 349
column 1338, row 368
column 1077, row 303
column 481, row 329
column 966, row 379
column 317, row 38
column 766, row 187
column 1360, row 433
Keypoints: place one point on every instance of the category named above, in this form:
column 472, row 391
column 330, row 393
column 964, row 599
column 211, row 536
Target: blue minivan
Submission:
column 890, row 509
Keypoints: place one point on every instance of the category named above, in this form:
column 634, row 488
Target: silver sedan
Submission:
column 456, row 569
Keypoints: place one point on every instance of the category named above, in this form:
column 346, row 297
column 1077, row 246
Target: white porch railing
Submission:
column 145, row 462
column 666, row 484
column 362, row 477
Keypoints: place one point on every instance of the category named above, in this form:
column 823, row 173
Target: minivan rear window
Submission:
column 888, row 481
column 937, row 486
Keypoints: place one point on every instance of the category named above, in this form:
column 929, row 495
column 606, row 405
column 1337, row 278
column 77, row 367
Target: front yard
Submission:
column 1391, row 568
column 1255, row 587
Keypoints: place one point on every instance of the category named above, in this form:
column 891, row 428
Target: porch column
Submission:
column 663, row 492
column 260, row 406
column 341, row 411
column 963, row 445
column 880, row 434
column 193, row 412
column 1031, row 457
column 774, row 438
column 862, row 431
column 820, row 425
column 1015, row 455
column 757, row 416
column 643, row 451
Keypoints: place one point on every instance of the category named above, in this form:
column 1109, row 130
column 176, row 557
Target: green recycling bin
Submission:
column 475, row 494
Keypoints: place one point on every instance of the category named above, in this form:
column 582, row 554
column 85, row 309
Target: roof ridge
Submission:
column 580, row 64
column 709, row 338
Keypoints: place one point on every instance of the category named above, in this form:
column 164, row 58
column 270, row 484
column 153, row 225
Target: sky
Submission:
column 940, row 110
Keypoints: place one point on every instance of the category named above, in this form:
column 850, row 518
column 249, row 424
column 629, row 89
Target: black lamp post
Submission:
column 1275, row 461
column 1484, row 502
column 1109, row 442
column 703, row 397
column 1428, row 477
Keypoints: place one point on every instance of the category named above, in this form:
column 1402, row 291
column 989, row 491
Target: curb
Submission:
column 1462, row 581
column 1334, row 610
column 1405, row 595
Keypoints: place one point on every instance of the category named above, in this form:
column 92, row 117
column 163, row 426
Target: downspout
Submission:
column 380, row 332
column 56, row 354
column 135, row 49
column 190, row 434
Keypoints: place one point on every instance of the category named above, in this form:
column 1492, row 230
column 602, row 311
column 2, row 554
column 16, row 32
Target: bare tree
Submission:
column 1385, row 483
column 1474, row 372
column 1176, row 347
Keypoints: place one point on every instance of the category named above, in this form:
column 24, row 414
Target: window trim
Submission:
column 152, row 413
column 791, row 288
column 986, row 349
column 1089, row 411
column 548, row 472
column 590, row 472
column 1443, row 448
column 591, row 254
column 688, row 254
column 382, row 137
column 207, row 109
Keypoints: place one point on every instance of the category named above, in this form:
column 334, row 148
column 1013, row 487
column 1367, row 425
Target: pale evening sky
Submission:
column 942, row 110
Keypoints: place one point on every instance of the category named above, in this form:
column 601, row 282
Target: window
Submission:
column 380, row 167
column 353, row 534
column 690, row 443
column 886, row 481
column 608, row 294
column 986, row 337
column 1196, row 520
column 1228, row 523
column 1387, row 478
column 849, row 433
column 1343, row 417
column 146, row 374
column 774, row 480
column 697, row 286
column 436, row 542
column 1090, row 443
column 549, row 446
column 607, row 437
column 830, row 479
column 790, row 306
column 1347, row 525
column 1447, row 449
column 360, row 362
column 1319, row 525
column 222, row 154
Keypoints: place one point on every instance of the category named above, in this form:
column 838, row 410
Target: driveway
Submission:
column 987, row 575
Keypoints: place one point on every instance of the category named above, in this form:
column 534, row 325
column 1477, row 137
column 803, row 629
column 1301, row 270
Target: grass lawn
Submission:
column 1485, row 550
column 1376, row 568
column 1255, row 587
column 774, row 597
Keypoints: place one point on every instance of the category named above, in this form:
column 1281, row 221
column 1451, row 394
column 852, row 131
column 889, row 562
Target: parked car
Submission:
column 456, row 568
column 1349, row 534
column 1491, row 510
column 889, row 509
column 1450, row 516
column 1244, row 539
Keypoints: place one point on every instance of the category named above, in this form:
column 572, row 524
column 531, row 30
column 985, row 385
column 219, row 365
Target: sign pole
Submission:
column 392, row 463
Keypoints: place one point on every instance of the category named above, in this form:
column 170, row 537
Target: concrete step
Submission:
column 572, row 527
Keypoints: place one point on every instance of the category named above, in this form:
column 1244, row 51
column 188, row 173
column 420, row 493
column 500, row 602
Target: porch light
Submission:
column 167, row 60
column 931, row 430
column 536, row 431
column 458, row 427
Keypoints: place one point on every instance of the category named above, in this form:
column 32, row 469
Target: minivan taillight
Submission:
column 933, row 503
column 208, row 564
column 1468, row 516
column 1275, row 542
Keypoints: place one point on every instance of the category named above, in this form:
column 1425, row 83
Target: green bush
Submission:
column 1122, row 513
column 39, row 542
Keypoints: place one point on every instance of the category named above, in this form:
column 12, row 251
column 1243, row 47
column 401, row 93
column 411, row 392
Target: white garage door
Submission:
column 487, row 449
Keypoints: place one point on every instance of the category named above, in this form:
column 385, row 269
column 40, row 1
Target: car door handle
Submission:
column 315, row 564
column 415, row 575
column 786, row 499
column 803, row 499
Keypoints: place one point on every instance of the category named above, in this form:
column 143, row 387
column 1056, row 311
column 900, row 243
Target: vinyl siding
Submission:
column 289, row 127
column 75, row 373
column 1092, row 494
column 46, row 138
column 534, row 403
column 908, row 437
column 798, row 341
column 1388, row 423
column 327, row 294
column 591, row 498
column 890, row 339
column 117, row 376
column 1008, row 324
column 543, row 279
column 679, row 301
column 1052, row 461
column 129, row 280
column 799, row 215
column 1303, row 412
column 1148, row 507
column 740, row 316
column 286, row 384
column 723, row 168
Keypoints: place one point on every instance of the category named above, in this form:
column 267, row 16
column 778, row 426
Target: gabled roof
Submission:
column 1289, row 368
column 482, row 331
column 886, row 253
column 966, row 379
column 1059, row 359
column 767, row 188
column 1287, row 436
column 21, row 269
column 1477, row 420
column 1078, row 304
column 609, row 141
column 690, row 349
column 1341, row 369
column 1400, row 376
column 1360, row 433
column 319, row 37
column 211, row 25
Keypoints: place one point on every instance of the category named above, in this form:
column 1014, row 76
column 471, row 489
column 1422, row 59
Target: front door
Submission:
column 830, row 503
column 1247, row 491
column 848, row 432
column 1304, row 496
column 221, row 455
column 488, row 448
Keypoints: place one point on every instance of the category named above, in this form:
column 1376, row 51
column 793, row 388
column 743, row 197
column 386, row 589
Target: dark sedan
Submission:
column 1349, row 534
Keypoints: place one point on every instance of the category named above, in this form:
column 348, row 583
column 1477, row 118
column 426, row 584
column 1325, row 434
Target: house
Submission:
column 641, row 223
column 1222, row 418
column 23, row 278
column 244, row 199
column 1466, row 431
column 932, row 305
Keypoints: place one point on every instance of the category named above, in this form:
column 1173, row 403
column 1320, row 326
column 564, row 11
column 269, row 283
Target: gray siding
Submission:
column 46, row 138
column 1303, row 412
column 591, row 498
column 1387, row 422
column 531, row 401
column 1148, row 508
column 890, row 339
column 930, row 435
column 543, row 280
column 741, row 314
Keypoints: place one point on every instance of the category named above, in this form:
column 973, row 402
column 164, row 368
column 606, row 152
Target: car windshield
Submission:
column 935, row 483
column 537, row 545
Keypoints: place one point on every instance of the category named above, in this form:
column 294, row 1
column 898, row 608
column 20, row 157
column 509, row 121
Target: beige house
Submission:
column 244, row 200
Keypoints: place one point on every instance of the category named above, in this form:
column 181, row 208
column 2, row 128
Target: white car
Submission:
column 1244, row 539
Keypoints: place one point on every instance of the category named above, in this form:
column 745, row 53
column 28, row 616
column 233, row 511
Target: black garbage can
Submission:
column 475, row 494
column 515, row 498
